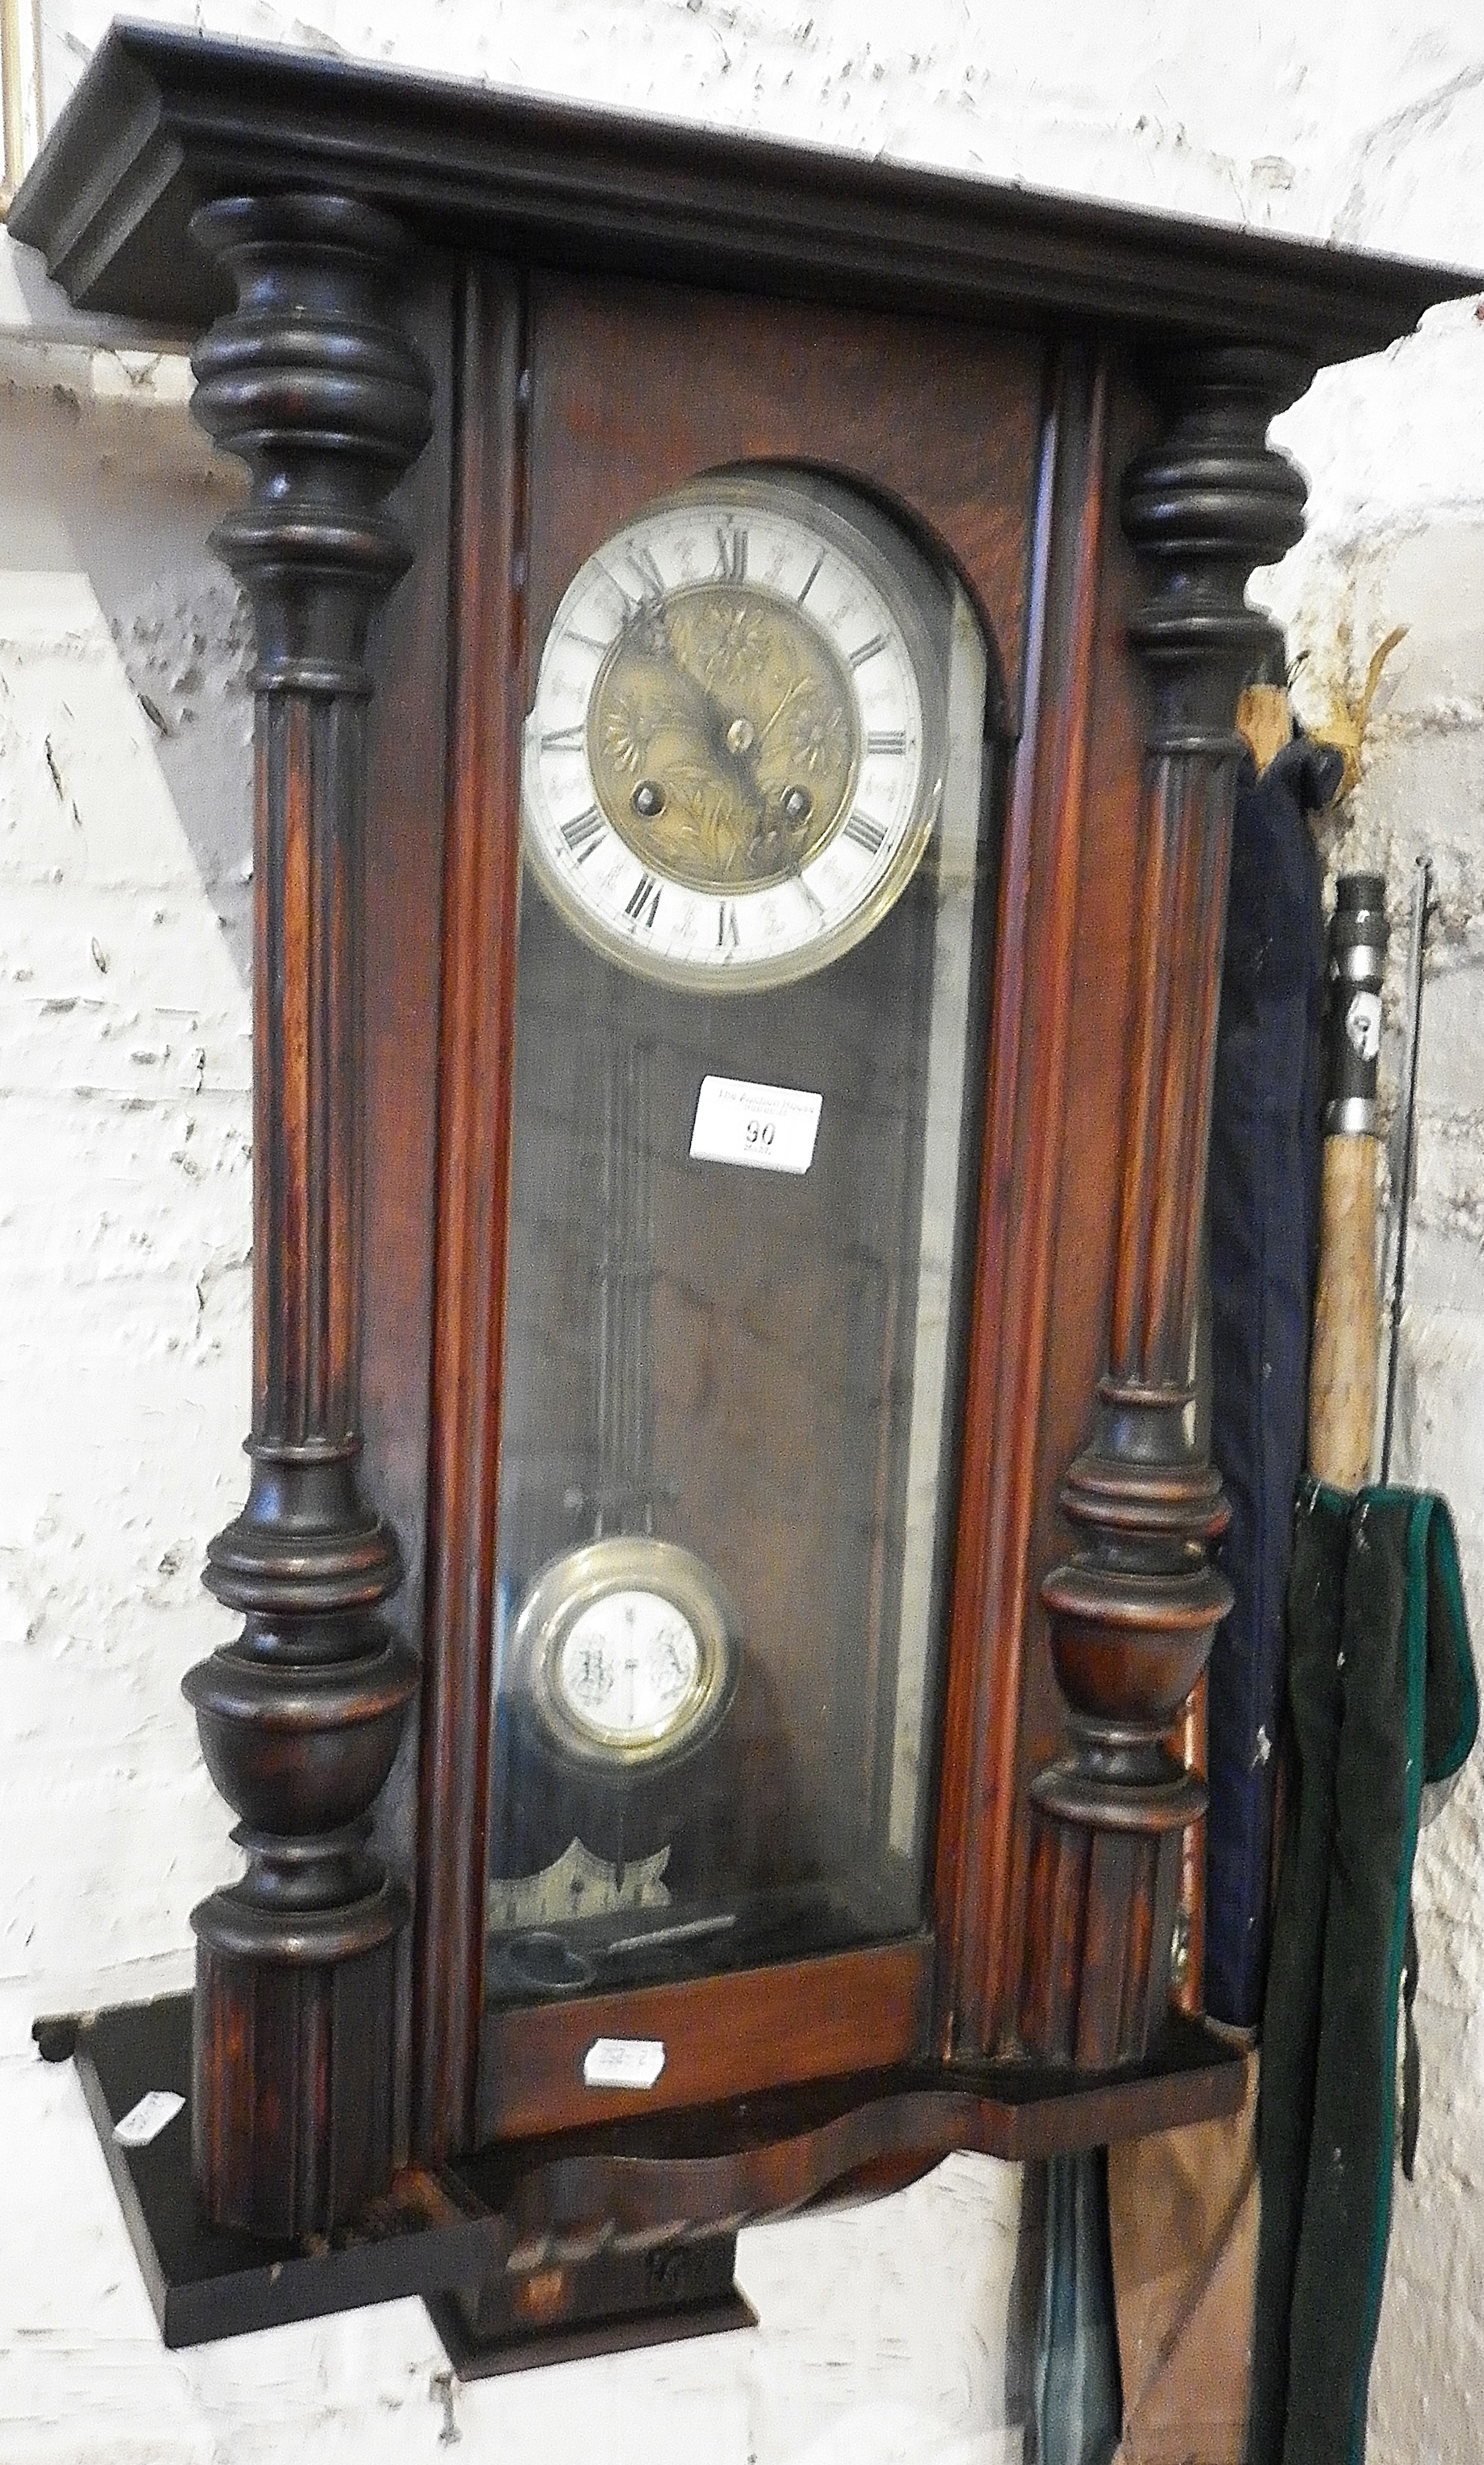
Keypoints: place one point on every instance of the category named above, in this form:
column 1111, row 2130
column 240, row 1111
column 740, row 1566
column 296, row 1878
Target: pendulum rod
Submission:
column 623, row 1366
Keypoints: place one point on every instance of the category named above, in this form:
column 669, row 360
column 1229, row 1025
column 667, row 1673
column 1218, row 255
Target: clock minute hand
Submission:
column 800, row 684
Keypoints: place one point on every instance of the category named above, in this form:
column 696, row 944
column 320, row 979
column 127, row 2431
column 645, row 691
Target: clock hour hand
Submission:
column 781, row 811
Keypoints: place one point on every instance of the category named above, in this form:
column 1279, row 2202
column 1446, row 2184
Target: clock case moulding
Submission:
column 456, row 338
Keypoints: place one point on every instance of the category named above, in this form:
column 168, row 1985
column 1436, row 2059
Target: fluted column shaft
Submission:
column 309, row 381
column 1134, row 1611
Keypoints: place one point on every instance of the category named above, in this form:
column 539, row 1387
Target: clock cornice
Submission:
column 165, row 120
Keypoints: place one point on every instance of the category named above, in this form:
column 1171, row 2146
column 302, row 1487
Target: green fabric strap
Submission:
column 1383, row 1694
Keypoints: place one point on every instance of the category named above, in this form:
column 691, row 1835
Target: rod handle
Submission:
column 1346, row 1315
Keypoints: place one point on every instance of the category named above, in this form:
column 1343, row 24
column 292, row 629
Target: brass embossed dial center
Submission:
column 722, row 737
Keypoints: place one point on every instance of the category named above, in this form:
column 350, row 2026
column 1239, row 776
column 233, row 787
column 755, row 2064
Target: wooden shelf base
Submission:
column 549, row 2245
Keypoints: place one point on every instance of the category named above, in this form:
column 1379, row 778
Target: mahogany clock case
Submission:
column 473, row 336
column 742, row 384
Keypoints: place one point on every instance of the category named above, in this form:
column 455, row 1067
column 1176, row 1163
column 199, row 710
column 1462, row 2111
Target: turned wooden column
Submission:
column 309, row 381
column 1134, row 1611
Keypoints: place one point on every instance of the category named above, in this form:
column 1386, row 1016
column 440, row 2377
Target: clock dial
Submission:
column 735, row 757
column 627, row 1666
column 625, row 1652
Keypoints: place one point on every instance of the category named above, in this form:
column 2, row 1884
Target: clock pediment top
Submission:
column 162, row 121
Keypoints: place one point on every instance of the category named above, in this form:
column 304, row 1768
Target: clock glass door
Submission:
column 759, row 794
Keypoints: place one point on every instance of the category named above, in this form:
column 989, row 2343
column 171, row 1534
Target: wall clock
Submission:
column 740, row 871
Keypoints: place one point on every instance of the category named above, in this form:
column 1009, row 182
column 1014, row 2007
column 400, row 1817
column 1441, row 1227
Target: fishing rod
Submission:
column 1346, row 1310
column 1421, row 907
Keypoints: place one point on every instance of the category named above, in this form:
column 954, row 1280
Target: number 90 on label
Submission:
column 772, row 1129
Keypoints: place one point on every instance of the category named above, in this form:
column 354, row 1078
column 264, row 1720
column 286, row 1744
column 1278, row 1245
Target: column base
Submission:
column 1099, row 1927
column 293, row 2061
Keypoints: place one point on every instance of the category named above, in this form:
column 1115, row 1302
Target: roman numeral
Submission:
column 808, row 897
column 887, row 741
column 644, row 904
column 864, row 832
column 728, row 933
column 731, row 552
column 563, row 740
column 582, row 833
column 813, row 577
column 868, row 649
column 646, row 572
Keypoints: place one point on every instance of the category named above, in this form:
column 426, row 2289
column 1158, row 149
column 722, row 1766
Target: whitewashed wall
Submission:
column 124, row 1169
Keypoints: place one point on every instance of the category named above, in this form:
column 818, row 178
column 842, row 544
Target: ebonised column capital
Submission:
column 1202, row 509
column 311, row 382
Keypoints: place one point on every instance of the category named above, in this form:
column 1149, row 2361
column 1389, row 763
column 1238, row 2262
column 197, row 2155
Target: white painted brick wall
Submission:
column 125, row 1174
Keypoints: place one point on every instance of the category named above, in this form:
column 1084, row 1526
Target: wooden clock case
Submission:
column 456, row 338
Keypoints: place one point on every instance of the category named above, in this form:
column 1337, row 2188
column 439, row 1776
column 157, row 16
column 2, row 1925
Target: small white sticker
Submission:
column 623, row 2062
column 145, row 2121
column 771, row 1128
